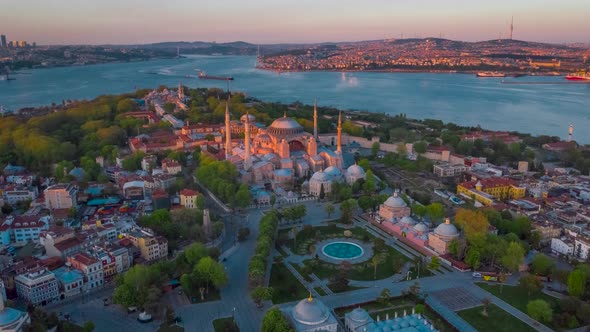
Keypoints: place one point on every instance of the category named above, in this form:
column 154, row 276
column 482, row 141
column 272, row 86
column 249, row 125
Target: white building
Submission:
column 562, row 246
column 582, row 247
column 19, row 194
column 37, row 287
column 61, row 196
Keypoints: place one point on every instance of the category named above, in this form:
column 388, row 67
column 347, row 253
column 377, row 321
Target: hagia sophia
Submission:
column 283, row 152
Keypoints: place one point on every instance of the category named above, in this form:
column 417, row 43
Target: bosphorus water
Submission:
column 460, row 98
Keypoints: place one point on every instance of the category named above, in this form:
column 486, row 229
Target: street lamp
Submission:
column 233, row 315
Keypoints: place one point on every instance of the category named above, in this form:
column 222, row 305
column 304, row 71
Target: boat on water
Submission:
column 579, row 76
column 490, row 74
column 204, row 76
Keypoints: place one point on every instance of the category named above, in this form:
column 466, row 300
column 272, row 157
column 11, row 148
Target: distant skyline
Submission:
column 290, row 21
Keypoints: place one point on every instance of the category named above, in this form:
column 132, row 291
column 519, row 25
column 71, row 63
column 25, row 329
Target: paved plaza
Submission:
column 456, row 298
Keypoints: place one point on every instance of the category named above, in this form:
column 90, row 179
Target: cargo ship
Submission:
column 490, row 74
column 204, row 76
column 579, row 76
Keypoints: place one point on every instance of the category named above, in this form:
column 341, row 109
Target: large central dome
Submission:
column 285, row 126
column 310, row 312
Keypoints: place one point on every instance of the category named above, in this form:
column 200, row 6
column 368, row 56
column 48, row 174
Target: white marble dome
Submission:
column 446, row 229
column 310, row 312
column 407, row 221
column 251, row 118
column 320, row 177
column 359, row 315
column 356, row 170
column 285, row 126
column 395, row 201
column 421, row 227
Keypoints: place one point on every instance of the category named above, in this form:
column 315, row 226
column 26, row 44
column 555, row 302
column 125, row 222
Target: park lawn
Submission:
column 305, row 239
column 498, row 320
column 517, row 296
column 286, row 287
column 225, row 324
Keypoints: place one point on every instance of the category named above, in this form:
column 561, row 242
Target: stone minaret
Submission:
column 227, row 132
column 339, row 133
column 247, row 158
column 180, row 92
column 315, row 119
column 207, row 223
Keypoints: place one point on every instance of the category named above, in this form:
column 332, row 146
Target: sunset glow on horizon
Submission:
column 290, row 21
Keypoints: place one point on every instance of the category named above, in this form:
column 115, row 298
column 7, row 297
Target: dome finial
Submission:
column 447, row 221
column 284, row 114
column 310, row 298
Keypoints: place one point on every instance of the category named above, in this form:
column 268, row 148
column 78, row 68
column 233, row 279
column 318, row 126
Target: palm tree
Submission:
column 486, row 302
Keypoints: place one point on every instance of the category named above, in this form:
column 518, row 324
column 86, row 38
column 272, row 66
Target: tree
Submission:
column 434, row 263
column 369, row 185
column 384, row 296
column 170, row 315
column 576, row 283
column 274, row 321
column 435, row 211
column 530, row 283
column 125, row 295
column 375, row 148
column 420, row 147
column 347, row 208
column 485, row 302
column 273, row 200
column 540, row 310
column 473, row 258
column 474, row 223
column 243, row 196
column 542, row 265
column 322, row 191
column 211, row 272
column 88, row 326
column 260, row 294
column 514, row 257
column 329, row 208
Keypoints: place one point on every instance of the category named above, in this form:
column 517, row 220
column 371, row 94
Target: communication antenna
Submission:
column 511, row 27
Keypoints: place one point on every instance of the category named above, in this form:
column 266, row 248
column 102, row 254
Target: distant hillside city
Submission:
column 410, row 54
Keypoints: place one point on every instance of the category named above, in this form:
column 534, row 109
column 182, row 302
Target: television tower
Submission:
column 511, row 27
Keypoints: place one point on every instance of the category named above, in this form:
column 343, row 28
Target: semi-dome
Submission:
column 446, row 229
column 395, row 201
column 421, row 227
column 359, row 315
column 407, row 221
column 333, row 171
column 355, row 170
column 310, row 312
column 320, row 176
column 251, row 118
column 285, row 125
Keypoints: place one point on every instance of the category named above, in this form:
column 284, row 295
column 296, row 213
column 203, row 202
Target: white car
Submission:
column 476, row 275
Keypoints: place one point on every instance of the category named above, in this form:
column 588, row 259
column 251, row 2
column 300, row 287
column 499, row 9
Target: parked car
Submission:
column 476, row 275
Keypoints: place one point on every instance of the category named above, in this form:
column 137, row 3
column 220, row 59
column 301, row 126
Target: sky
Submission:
column 290, row 21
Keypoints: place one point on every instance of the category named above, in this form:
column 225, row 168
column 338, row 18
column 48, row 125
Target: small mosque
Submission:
column 396, row 216
column 311, row 315
column 283, row 152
